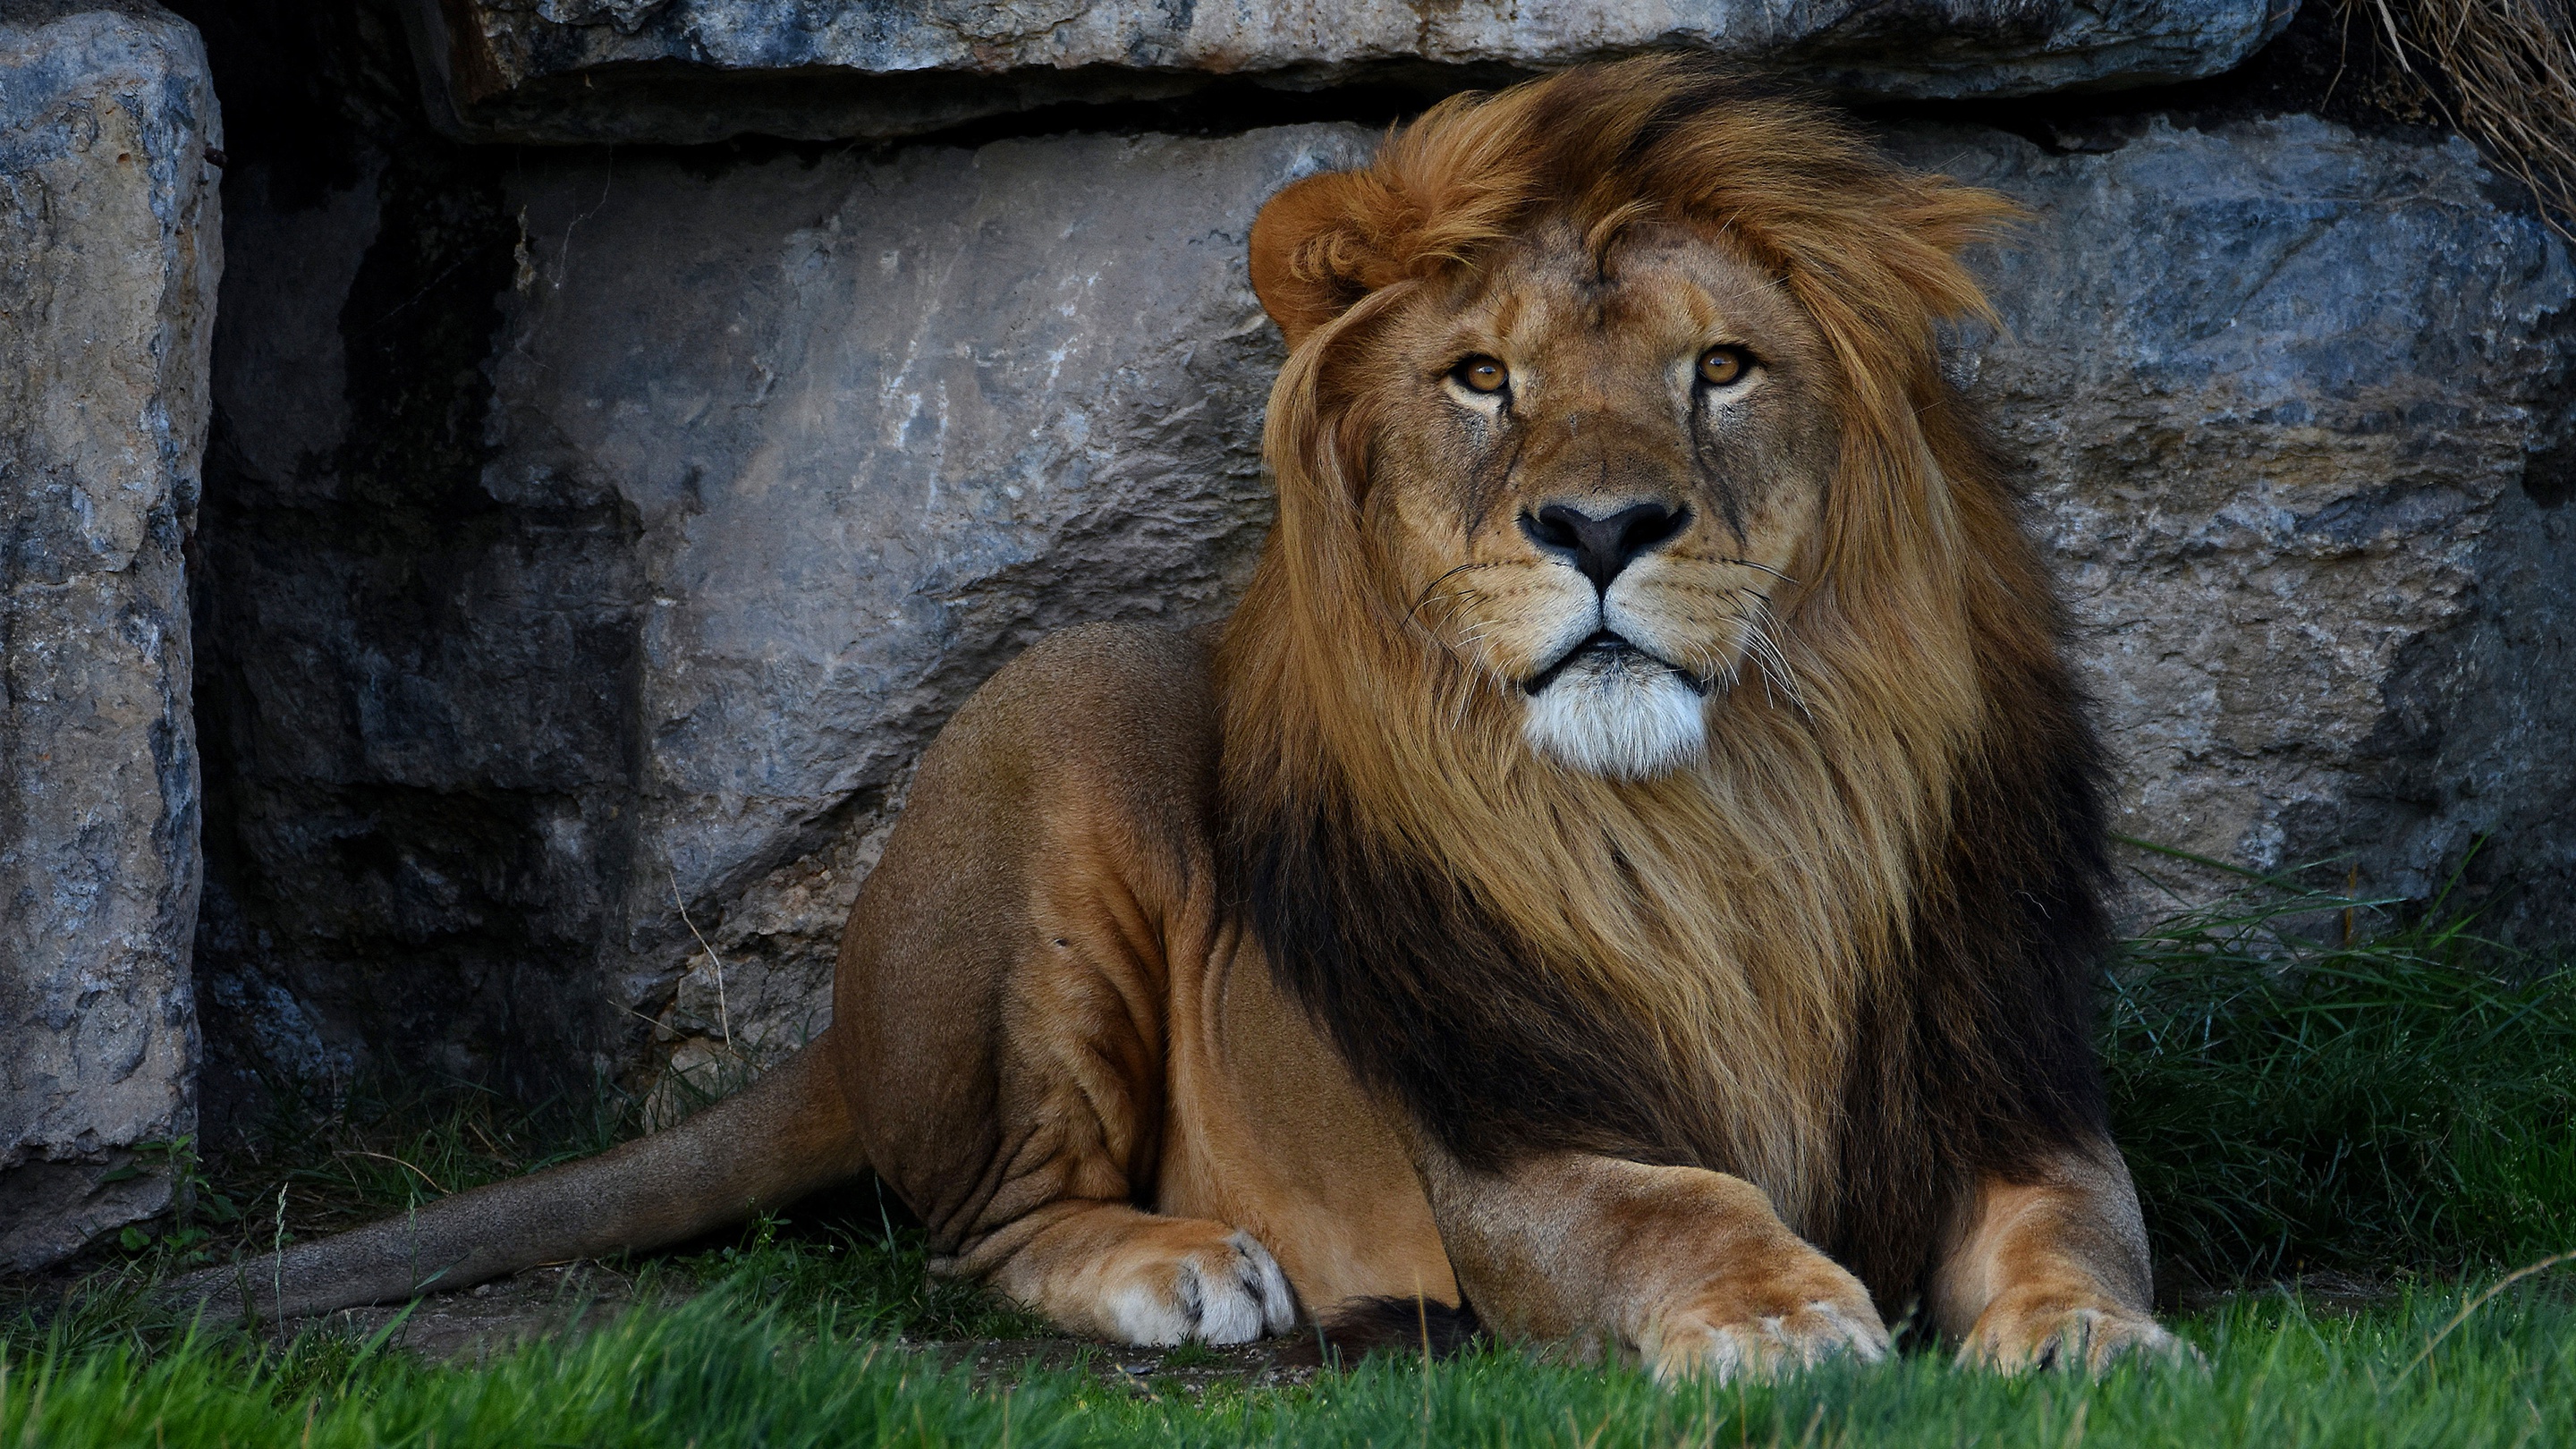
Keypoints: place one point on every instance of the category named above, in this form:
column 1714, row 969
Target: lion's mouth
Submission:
column 1609, row 650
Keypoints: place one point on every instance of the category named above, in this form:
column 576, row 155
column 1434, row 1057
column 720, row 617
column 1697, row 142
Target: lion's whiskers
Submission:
column 1756, row 640
column 1709, row 664
column 1428, row 588
column 1471, row 675
column 1766, row 568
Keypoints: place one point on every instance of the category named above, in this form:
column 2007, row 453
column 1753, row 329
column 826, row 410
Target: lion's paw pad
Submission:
column 1230, row 1291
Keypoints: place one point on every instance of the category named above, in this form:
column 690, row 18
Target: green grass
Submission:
column 2399, row 1101
column 830, row 1275
column 2300, row 1081
column 715, row 1373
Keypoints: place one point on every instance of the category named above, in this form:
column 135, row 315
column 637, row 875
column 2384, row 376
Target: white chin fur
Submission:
column 1622, row 718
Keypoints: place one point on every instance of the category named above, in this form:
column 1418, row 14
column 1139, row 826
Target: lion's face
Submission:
column 1595, row 464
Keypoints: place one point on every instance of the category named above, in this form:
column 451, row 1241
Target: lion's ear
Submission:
column 1310, row 251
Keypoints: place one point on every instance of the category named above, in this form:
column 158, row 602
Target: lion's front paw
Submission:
column 2036, row 1330
column 1225, row 1288
column 1760, row 1324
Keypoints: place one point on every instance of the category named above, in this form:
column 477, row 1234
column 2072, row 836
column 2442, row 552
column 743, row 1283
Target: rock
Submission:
column 108, row 264
column 982, row 395
column 772, row 460
column 2296, row 408
column 703, row 70
column 777, row 452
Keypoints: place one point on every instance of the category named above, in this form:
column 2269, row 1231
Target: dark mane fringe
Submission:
column 1977, row 1055
column 1394, row 1327
column 1975, row 1052
column 1437, row 1004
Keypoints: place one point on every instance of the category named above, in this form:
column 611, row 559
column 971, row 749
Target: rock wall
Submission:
column 108, row 264
column 2296, row 403
column 779, row 459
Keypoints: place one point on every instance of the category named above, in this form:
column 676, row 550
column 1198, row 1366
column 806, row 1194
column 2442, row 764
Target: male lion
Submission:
column 1631, row 864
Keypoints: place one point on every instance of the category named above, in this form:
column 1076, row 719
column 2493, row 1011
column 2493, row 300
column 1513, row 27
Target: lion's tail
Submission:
column 786, row 1135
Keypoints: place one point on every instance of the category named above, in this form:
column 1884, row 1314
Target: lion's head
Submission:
column 1594, row 381
column 1593, row 460
column 1648, row 695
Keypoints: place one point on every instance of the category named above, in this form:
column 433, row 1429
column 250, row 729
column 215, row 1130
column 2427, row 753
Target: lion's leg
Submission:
column 1003, row 1005
column 2051, row 1271
column 1083, row 1082
column 1688, row 1270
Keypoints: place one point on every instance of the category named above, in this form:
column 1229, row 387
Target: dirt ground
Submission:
column 470, row 1325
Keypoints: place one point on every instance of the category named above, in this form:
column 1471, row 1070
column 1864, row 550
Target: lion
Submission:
column 1627, row 875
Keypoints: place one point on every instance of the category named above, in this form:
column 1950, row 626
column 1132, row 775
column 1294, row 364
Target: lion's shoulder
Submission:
column 1142, row 679
column 1118, row 713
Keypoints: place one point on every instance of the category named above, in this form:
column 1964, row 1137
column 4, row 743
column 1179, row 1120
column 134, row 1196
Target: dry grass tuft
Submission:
column 2504, row 72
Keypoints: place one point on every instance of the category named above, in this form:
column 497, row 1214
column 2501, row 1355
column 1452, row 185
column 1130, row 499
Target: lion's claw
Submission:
column 1800, row 1312
column 1766, row 1347
column 2016, row 1338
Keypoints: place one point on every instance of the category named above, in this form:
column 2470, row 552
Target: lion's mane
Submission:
column 1849, row 958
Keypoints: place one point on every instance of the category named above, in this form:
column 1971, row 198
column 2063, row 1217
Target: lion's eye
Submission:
column 1482, row 374
column 1722, row 365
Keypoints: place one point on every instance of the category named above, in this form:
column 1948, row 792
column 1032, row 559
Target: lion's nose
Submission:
column 1602, row 546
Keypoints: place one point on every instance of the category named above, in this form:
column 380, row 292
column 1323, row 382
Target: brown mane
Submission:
column 1847, row 957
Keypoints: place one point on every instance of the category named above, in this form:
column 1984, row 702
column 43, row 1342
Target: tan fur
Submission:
column 1058, row 1036
column 2052, row 1272
column 1096, row 1033
column 1688, row 1271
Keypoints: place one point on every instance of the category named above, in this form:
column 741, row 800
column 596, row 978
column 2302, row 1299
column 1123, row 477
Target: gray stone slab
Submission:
column 824, row 439
column 880, row 425
column 778, row 460
column 2295, row 404
column 703, row 70
column 109, row 254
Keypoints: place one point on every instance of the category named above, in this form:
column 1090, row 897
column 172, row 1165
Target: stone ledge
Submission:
column 688, row 71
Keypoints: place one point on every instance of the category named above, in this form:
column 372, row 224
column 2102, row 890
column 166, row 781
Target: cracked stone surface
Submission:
column 2296, row 405
column 765, row 467
column 108, row 262
column 703, row 70
column 776, row 455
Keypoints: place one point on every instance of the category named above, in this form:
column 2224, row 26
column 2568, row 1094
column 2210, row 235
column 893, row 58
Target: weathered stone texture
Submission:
column 702, row 70
column 801, row 448
column 108, row 263
column 2296, row 404
column 803, row 445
